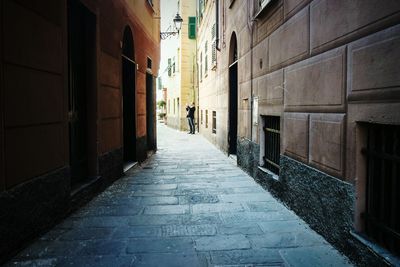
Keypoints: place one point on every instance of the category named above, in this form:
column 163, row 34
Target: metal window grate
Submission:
column 272, row 143
column 214, row 122
column 382, row 216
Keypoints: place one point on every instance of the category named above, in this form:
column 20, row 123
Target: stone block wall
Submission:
column 322, row 66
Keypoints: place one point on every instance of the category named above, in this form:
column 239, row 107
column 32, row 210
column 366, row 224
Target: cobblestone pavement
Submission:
column 189, row 205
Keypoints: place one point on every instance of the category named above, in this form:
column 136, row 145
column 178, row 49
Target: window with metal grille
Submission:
column 382, row 215
column 206, row 118
column 272, row 143
column 214, row 122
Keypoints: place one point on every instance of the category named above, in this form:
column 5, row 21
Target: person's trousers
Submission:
column 191, row 124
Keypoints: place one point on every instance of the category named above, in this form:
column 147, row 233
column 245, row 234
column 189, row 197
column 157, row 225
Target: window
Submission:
column 178, row 55
column 214, row 122
column 192, row 28
column 263, row 3
column 177, row 104
column 169, row 67
column 206, row 118
column 174, row 105
column 201, row 117
column 149, row 63
column 272, row 143
column 201, row 66
column 173, row 66
column 382, row 212
column 261, row 7
column 214, row 46
column 201, row 9
column 205, row 59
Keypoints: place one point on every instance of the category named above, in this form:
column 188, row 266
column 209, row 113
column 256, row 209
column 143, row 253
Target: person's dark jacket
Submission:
column 190, row 112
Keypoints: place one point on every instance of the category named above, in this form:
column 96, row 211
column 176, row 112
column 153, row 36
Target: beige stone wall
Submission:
column 208, row 90
column 321, row 65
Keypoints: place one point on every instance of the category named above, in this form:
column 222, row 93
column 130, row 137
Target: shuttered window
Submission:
column 214, row 46
column 205, row 58
column 169, row 67
column 192, row 27
column 201, row 66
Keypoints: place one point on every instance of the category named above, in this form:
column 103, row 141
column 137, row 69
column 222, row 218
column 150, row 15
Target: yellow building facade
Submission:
column 179, row 74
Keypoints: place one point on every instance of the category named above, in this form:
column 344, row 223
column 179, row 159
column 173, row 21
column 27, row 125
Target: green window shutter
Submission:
column 192, row 27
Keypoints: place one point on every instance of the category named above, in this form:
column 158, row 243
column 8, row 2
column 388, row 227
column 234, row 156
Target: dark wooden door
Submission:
column 150, row 117
column 81, row 35
column 129, row 124
column 233, row 108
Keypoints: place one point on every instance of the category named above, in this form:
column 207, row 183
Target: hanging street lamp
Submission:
column 177, row 24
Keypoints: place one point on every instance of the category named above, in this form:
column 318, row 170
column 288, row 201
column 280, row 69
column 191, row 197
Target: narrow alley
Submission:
column 188, row 205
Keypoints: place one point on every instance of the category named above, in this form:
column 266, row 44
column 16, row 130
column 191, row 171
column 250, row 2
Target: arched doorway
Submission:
column 82, row 93
column 129, row 97
column 233, row 95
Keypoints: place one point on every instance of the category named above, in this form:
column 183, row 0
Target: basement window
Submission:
column 272, row 143
column 382, row 211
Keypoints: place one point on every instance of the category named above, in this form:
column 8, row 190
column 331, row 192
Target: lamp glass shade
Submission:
column 178, row 22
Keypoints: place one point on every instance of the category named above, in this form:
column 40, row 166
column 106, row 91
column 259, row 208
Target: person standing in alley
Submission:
column 190, row 116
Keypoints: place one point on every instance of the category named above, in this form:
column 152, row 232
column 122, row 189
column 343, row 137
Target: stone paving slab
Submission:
column 188, row 205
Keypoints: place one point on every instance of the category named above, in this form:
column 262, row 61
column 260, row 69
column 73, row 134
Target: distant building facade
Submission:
column 77, row 104
column 179, row 69
column 306, row 94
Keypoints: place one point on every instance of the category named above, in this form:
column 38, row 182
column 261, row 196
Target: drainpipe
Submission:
column 217, row 25
column 250, row 25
